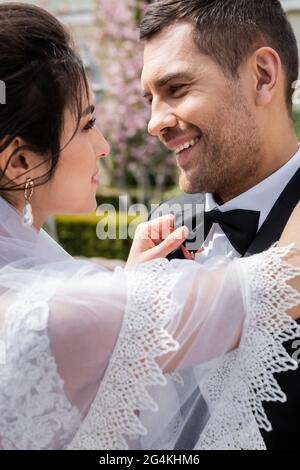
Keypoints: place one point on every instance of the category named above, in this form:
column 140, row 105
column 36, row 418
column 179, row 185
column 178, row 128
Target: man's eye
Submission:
column 90, row 125
column 175, row 88
column 148, row 99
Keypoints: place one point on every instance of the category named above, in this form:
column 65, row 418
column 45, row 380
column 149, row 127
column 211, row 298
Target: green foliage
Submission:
column 297, row 123
column 78, row 236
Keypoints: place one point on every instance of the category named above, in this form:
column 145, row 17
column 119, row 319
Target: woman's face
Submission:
column 73, row 187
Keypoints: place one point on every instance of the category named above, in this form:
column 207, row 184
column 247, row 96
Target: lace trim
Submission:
column 143, row 338
column 245, row 379
column 34, row 411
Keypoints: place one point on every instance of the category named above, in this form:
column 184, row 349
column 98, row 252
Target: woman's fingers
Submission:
column 171, row 243
column 156, row 239
column 160, row 228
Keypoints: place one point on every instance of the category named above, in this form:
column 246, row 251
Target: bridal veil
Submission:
column 91, row 359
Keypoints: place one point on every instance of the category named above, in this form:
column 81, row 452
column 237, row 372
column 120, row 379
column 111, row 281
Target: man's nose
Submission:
column 161, row 118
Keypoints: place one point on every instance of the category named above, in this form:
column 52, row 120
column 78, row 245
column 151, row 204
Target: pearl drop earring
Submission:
column 27, row 212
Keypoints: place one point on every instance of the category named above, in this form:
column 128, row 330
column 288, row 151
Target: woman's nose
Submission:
column 102, row 148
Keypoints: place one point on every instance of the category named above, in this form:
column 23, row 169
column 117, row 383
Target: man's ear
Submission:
column 267, row 71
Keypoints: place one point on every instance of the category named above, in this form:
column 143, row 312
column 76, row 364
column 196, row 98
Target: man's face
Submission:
column 199, row 114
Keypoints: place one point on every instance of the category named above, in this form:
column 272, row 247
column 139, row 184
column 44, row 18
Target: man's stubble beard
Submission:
column 230, row 156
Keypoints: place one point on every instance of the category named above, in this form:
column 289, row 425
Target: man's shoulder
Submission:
column 178, row 205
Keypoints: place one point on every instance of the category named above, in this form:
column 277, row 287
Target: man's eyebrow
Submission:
column 89, row 110
column 161, row 82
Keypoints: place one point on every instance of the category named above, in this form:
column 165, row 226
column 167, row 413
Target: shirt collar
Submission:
column 262, row 196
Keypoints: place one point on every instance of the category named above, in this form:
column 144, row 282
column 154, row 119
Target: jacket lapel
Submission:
column 277, row 219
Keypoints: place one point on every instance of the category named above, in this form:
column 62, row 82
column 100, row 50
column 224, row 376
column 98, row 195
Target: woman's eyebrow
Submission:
column 89, row 110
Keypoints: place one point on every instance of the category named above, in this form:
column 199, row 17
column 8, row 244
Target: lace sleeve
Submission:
column 107, row 333
column 240, row 382
column 112, row 417
column 35, row 413
column 59, row 339
column 250, row 296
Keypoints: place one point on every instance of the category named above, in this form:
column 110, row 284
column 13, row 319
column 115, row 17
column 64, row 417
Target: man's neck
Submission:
column 272, row 162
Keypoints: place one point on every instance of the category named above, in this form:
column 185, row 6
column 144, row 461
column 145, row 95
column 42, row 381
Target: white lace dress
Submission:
column 98, row 360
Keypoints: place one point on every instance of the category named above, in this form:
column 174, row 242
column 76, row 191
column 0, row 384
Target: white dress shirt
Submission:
column 261, row 197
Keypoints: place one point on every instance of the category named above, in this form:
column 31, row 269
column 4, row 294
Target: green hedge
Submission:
column 297, row 123
column 77, row 234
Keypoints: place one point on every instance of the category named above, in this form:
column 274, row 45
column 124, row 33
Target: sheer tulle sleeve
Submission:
column 228, row 322
column 95, row 360
column 58, row 330
column 227, row 368
column 62, row 328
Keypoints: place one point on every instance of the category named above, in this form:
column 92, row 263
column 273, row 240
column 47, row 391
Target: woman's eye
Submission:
column 90, row 125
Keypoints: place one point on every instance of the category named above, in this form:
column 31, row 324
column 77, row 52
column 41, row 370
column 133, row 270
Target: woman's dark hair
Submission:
column 230, row 30
column 43, row 75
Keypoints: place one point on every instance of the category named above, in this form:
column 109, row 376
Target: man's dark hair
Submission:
column 230, row 30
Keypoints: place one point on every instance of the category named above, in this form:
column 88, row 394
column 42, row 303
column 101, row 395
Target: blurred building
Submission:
column 292, row 8
column 78, row 14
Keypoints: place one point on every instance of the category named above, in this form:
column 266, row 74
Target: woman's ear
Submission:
column 267, row 70
column 15, row 166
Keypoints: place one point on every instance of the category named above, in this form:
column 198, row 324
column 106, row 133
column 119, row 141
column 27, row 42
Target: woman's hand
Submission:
column 156, row 239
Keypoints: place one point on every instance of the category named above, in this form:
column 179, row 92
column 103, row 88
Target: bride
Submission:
column 96, row 360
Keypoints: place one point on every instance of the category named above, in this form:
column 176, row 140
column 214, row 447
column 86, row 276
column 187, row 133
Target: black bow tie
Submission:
column 240, row 226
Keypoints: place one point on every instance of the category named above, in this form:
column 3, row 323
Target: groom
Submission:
column 219, row 76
